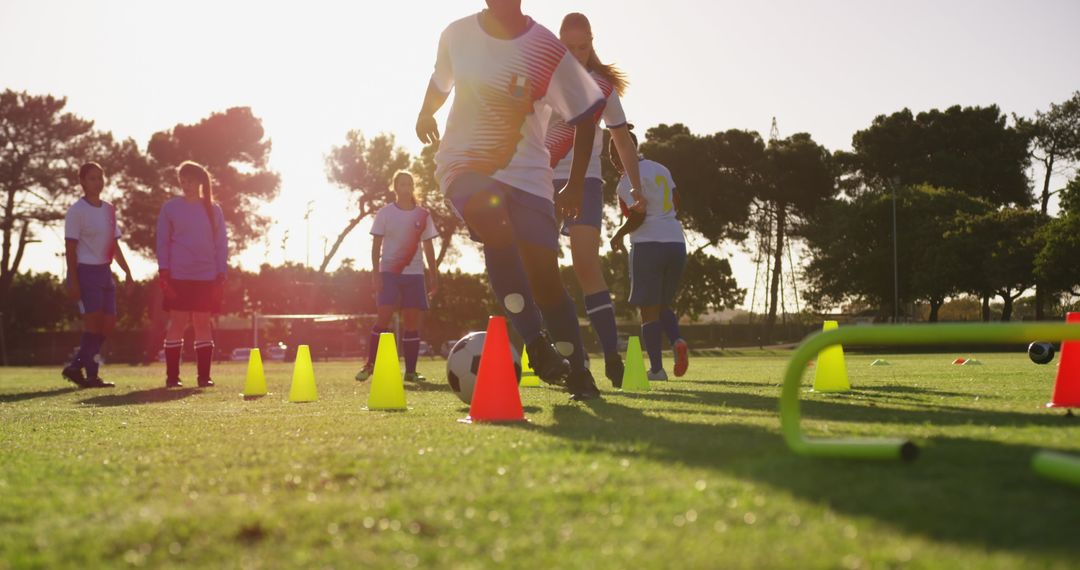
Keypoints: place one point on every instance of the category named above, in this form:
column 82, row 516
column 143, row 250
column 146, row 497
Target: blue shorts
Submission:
column 592, row 205
column 656, row 269
column 97, row 290
column 403, row 290
column 532, row 217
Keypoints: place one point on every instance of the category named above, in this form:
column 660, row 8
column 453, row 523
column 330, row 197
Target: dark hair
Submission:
column 196, row 171
column 578, row 21
column 85, row 169
column 612, row 151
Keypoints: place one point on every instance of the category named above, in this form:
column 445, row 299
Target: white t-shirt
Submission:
column 504, row 94
column 560, row 136
column 660, row 224
column 94, row 228
column 402, row 232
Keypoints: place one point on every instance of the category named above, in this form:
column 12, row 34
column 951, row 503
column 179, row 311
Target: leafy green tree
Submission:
column 364, row 170
column 38, row 302
column 1056, row 264
column 1055, row 140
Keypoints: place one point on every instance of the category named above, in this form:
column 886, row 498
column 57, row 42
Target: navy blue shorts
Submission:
column 403, row 290
column 190, row 296
column 532, row 217
column 656, row 270
column 592, row 205
column 97, row 290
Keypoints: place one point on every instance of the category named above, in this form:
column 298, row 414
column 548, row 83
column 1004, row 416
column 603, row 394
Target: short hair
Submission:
column 85, row 169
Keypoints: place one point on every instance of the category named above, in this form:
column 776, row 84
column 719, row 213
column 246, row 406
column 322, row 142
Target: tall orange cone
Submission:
column 1067, row 385
column 496, row 397
column 529, row 379
column 830, row 375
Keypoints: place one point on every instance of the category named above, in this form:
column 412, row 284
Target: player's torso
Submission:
column 560, row 139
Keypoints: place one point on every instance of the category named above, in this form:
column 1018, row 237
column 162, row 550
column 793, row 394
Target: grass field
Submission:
column 691, row 475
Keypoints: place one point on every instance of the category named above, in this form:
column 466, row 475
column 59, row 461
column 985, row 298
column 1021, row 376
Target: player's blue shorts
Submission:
column 403, row 290
column 592, row 205
column 532, row 217
column 656, row 270
column 97, row 290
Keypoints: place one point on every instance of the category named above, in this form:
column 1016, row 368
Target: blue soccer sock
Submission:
column 84, row 354
column 91, row 364
column 562, row 323
column 410, row 345
column 602, row 316
column 670, row 321
column 373, row 343
column 511, row 286
column 650, row 335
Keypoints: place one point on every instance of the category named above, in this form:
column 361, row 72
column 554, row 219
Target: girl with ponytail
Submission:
column 193, row 257
column 584, row 230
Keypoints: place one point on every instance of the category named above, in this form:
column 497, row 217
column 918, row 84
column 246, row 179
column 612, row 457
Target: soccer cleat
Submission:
column 74, row 375
column 98, row 382
column 658, row 375
column 414, row 377
column 365, row 372
column 173, row 383
column 614, row 369
column 206, row 383
column 682, row 358
column 582, row 386
column 548, row 364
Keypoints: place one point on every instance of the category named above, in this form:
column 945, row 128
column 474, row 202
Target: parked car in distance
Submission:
column 240, row 354
column 425, row 349
column 446, row 348
column 276, row 352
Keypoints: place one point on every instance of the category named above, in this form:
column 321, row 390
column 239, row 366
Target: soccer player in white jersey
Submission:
column 584, row 230
column 397, row 270
column 92, row 242
column 657, row 260
column 509, row 74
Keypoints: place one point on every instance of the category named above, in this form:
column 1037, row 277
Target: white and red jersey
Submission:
column 95, row 230
column 560, row 135
column 660, row 223
column 402, row 231
column 504, row 95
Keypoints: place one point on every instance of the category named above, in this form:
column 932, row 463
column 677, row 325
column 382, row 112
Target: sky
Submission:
column 314, row 70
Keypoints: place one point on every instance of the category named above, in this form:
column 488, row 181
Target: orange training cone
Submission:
column 1067, row 385
column 496, row 397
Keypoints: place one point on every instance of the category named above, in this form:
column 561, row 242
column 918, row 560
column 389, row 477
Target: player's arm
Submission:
column 122, row 262
column 628, row 156
column 632, row 223
column 569, row 198
column 427, row 128
column 432, row 267
column 72, row 257
column 376, row 249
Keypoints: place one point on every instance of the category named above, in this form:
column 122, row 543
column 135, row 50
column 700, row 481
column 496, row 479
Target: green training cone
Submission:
column 634, row 379
column 255, row 383
column 830, row 374
column 387, row 388
column 529, row 379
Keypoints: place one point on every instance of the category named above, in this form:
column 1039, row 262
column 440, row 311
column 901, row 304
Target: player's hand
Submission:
column 568, row 200
column 376, row 281
column 427, row 129
column 73, row 291
column 640, row 203
column 616, row 244
column 165, row 282
column 432, row 283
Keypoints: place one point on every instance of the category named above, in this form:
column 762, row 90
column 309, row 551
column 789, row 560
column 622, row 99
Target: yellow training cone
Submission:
column 529, row 379
column 830, row 374
column 387, row 388
column 634, row 378
column 255, row 384
column 303, row 377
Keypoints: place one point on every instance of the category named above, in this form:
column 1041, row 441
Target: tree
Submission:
column 969, row 149
column 233, row 147
column 364, row 169
column 446, row 222
column 41, row 149
column 38, row 302
column 1056, row 264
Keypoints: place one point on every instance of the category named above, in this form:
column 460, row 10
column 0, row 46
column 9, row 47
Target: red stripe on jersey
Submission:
column 560, row 136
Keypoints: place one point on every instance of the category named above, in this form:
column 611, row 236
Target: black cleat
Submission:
column 365, row 372
column 98, row 382
column 549, row 365
column 614, row 369
column 206, row 383
column 173, row 383
column 582, row 386
column 74, row 375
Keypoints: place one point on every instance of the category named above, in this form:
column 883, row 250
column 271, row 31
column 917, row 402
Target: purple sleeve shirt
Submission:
column 187, row 246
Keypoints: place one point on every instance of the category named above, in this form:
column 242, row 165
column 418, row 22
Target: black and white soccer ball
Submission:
column 1041, row 352
column 464, row 362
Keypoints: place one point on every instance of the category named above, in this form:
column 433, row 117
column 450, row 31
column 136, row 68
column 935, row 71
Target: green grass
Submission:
column 691, row 475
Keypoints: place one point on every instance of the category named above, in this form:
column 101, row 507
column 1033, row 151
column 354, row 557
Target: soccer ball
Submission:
column 464, row 362
column 1041, row 352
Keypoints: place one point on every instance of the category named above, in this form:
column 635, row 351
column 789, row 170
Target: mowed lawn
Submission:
column 691, row 475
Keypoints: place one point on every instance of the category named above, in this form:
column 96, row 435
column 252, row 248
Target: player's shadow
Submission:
column 960, row 490
column 23, row 396
column 140, row 397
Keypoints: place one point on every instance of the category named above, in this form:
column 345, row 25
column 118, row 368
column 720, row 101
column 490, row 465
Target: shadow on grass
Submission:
column 22, row 396
column 138, row 397
column 960, row 490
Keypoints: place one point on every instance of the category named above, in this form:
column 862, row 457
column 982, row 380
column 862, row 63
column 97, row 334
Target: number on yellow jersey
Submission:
column 663, row 181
